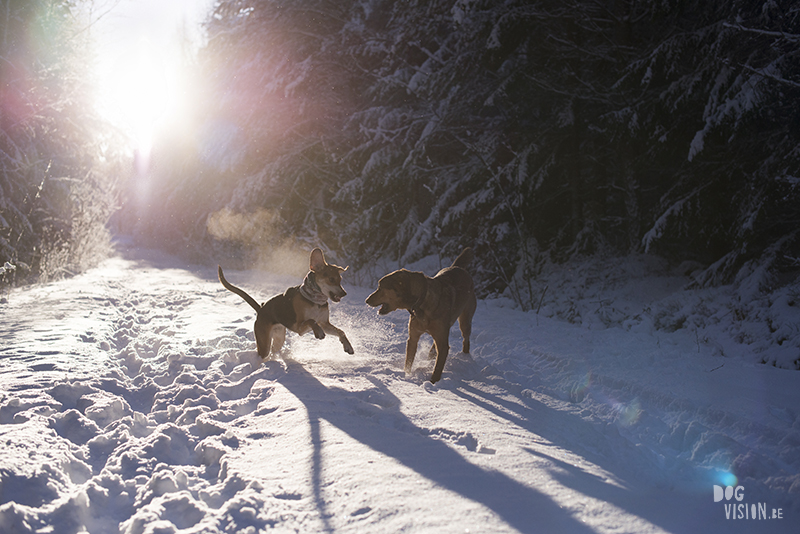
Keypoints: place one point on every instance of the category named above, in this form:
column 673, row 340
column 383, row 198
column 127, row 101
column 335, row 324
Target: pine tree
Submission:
column 54, row 198
column 532, row 131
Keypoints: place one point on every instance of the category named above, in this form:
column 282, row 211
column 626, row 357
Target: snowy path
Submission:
column 132, row 400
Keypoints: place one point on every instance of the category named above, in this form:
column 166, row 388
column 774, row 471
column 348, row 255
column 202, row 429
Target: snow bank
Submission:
column 753, row 319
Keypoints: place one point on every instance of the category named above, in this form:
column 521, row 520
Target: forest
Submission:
column 535, row 131
column 60, row 164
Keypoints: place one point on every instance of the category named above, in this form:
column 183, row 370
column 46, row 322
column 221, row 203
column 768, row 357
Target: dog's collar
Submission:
column 311, row 291
column 419, row 300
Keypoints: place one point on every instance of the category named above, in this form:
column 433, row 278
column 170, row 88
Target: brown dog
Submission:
column 300, row 308
column 434, row 303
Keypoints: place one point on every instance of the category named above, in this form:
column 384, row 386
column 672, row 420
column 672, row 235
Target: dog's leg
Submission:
column 278, row 338
column 414, row 332
column 319, row 333
column 465, row 324
column 263, row 332
column 330, row 329
column 441, row 338
column 432, row 352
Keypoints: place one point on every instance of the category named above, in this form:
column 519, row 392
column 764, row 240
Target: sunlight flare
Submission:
column 134, row 94
column 143, row 50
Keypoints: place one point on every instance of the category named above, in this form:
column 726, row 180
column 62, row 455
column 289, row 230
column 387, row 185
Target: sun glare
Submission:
column 141, row 48
column 134, row 94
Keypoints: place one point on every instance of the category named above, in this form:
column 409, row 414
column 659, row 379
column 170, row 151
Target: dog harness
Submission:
column 311, row 291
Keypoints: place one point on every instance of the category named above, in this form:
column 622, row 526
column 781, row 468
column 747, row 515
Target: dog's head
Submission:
column 396, row 290
column 328, row 276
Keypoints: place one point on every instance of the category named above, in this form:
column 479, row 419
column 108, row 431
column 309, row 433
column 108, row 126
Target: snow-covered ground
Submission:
column 132, row 400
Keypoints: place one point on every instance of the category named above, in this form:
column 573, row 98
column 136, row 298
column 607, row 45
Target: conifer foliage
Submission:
column 533, row 131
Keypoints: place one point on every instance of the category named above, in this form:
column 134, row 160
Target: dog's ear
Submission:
column 317, row 260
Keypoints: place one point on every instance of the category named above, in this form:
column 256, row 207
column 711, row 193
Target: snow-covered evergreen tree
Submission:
column 533, row 131
column 55, row 197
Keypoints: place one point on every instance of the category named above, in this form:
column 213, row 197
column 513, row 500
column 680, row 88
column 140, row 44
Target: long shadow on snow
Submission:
column 660, row 509
column 520, row 506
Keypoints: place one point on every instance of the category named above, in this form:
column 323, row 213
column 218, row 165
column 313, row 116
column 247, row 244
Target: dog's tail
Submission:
column 230, row 287
column 464, row 259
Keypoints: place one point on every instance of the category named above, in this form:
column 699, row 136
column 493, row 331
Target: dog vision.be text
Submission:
column 746, row 511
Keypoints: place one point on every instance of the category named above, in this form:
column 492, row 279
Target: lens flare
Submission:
column 726, row 478
column 630, row 413
column 581, row 388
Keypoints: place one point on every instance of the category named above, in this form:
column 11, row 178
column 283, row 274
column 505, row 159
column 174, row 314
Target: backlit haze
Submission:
column 142, row 49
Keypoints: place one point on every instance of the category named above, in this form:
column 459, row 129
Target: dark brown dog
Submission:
column 300, row 308
column 434, row 303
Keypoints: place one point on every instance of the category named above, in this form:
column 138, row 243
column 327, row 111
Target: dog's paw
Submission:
column 348, row 348
column 319, row 333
